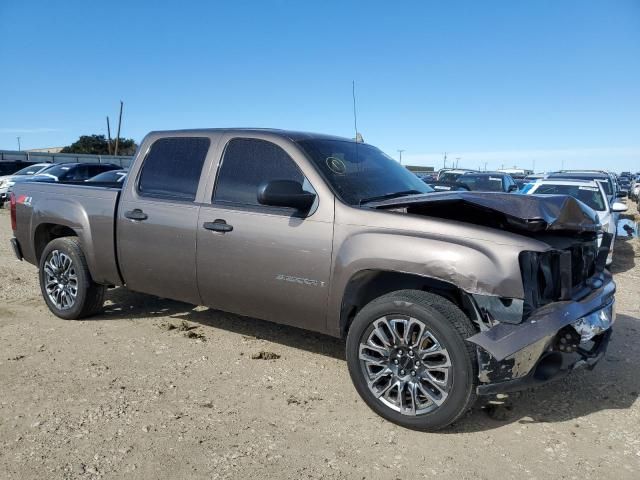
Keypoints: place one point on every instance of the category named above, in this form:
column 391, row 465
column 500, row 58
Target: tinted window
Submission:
column 172, row 168
column 79, row 172
column 247, row 164
column 359, row 172
column 449, row 177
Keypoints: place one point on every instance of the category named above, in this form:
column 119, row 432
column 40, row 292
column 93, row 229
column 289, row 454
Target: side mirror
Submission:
column 619, row 207
column 512, row 188
column 285, row 193
column 621, row 195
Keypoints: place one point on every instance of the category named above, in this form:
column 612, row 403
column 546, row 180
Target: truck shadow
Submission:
column 613, row 385
column 125, row 304
column 624, row 254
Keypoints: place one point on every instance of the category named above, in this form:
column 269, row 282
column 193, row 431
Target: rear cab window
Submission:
column 172, row 168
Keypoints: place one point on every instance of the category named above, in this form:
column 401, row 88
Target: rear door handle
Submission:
column 136, row 214
column 218, row 225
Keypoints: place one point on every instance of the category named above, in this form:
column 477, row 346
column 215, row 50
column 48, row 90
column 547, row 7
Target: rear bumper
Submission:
column 16, row 248
column 555, row 340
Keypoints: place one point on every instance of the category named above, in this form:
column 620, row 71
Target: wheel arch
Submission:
column 366, row 285
column 46, row 232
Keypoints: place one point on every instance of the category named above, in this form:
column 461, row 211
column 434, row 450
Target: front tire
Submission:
column 65, row 281
column 409, row 359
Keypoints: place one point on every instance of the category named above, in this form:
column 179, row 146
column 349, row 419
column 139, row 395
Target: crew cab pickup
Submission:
column 441, row 296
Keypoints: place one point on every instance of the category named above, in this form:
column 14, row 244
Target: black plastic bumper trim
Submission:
column 16, row 248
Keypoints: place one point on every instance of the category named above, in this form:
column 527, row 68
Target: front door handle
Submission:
column 218, row 225
column 136, row 214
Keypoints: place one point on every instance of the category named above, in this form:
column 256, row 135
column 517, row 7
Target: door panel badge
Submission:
column 309, row 282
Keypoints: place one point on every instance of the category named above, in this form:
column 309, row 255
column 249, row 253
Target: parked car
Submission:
column 9, row 167
column 447, row 186
column 441, row 296
column 592, row 194
column 605, row 178
column 488, row 182
column 8, row 181
column 110, row 176
column 634, row 194
column 624, row 185
column 450, row 176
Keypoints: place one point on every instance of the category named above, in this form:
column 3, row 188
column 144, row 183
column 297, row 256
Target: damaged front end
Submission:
column 563, row 323
column 563, row 319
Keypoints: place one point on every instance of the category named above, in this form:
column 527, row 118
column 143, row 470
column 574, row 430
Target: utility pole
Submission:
column 18, row 138
column 445, row 160
column 118, row 136
column 108, row 136
column 485, row 166
column 400, row 152
column 457, row 161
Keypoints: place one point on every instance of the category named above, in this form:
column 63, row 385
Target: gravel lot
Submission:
column 154, row 388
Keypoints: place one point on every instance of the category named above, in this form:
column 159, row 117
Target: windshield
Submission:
column 31, row 170
column 58, row 171
column 110, row 176
column 482, row 183
column 359, row 172
column 589, row 195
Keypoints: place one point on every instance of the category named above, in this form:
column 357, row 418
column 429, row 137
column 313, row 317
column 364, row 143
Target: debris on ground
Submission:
column 195, row 335
column 262, row 355
column 293, row 400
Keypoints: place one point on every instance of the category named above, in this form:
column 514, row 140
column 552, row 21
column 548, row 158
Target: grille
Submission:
column 561, row 274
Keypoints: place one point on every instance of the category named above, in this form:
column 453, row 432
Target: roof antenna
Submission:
column 358, row 138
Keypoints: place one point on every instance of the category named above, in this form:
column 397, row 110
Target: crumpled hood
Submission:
column 530, row 213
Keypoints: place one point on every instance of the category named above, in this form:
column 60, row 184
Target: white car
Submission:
column 589, row 192
column 7, row 181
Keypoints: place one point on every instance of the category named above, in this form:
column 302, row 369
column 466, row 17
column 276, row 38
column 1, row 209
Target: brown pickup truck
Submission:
column 441, row 296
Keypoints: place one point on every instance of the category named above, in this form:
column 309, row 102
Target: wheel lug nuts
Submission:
column 413, row 373
column 395, row 361
column 402, row 372
column 417, row 364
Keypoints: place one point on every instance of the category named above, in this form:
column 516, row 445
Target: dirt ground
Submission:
column 154, row 388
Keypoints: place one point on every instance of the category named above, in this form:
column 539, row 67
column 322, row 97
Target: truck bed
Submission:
column 88, row 210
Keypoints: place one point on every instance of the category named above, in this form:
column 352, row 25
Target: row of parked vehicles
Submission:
column 102, row 173
column 600, row 190
column 441, row 297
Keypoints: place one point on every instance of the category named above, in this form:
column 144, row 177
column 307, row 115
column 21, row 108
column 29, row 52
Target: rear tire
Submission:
column 65, row 281
column 423, row 376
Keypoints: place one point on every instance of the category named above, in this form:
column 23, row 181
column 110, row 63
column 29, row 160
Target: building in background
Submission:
column 46, row 150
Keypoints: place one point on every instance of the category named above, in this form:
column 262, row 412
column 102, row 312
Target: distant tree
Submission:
column 98, row 145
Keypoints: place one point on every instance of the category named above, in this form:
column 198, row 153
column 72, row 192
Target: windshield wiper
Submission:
column 389, row 196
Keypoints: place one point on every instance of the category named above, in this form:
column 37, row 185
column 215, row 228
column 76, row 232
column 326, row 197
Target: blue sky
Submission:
column 503, row 82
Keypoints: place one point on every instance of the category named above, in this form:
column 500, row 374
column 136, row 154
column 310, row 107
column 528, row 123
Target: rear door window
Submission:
column 172, row 168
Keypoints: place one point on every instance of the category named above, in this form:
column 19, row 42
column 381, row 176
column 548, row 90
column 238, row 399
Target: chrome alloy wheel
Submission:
column 61, row 280
column 404, row 365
